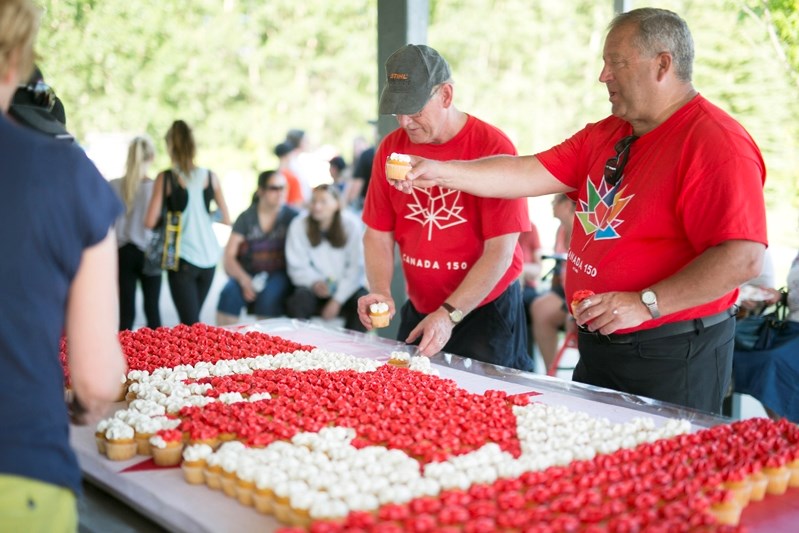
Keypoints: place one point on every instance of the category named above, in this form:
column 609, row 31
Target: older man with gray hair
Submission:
column 460, row 253
column 670, row 217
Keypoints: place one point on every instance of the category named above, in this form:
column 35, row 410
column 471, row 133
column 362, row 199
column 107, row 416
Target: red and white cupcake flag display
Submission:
column 328, row 442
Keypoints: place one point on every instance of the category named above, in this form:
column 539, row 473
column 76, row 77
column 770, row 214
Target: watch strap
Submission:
column 654, row 311
column 455, row 314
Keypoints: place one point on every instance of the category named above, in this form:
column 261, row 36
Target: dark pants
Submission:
column 529, row 294
column 131, row 261
column 691, row 369
column 494, row 333
column 269, row 302
column 303, row 303
column 189, row 287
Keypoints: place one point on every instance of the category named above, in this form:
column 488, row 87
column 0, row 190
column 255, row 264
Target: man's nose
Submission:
column 404, row 120
column 604, row 74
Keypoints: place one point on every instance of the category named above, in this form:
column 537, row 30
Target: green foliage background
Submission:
column 242, row 72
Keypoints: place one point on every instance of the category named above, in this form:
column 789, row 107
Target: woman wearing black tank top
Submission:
column 189, row 189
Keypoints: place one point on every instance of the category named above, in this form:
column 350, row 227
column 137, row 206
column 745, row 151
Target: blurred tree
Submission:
column 242, row 72
column 780, row 21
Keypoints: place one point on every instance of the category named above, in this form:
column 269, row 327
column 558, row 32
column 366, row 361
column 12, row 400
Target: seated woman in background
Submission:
column 753, row 295
column 772, row 376
column 549, row 311
column 255, row 255
column 324, row 252
column 530, row 243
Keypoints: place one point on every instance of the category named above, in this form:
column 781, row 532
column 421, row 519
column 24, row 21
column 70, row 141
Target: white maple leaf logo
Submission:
column 436, row 207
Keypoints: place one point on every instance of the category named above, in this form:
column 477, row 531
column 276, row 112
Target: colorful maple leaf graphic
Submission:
column 436, row 207
column 600, row 214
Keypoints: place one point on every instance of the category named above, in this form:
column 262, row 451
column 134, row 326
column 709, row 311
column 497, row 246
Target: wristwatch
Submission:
column 456, row 315
column 650, row 300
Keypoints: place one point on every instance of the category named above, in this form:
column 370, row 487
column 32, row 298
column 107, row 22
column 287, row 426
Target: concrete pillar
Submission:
column 622, row 6
column 399, row 22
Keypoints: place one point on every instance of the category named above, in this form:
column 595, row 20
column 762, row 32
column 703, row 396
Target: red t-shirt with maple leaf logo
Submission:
column 692, row 183
column 441, row 232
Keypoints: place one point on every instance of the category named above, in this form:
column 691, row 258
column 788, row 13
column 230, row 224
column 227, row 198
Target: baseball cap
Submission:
column 283, row 148
column 411, row 73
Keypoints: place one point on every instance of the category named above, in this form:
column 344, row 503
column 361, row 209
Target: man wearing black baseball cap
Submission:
column 460, row 253
column 412, row 72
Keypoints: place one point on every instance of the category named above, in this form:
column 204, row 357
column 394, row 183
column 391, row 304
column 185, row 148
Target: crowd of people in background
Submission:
column 300, row 248
column 289, row 254
column 313, row 270
column 272, row 271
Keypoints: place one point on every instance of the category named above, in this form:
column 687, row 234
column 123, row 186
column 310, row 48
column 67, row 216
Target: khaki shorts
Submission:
column 34, row 506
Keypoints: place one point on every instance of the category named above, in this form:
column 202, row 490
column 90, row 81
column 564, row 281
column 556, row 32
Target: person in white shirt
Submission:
column 324, row 253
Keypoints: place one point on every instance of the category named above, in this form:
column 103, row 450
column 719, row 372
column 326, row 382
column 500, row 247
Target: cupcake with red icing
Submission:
column 725, row 508
column 777, row 475
column 166, row 447
column 579, row 296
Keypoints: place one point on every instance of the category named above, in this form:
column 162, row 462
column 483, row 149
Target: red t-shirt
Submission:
column 692, row 183
column 294, row 189
column 530, row 243
column 441, row 232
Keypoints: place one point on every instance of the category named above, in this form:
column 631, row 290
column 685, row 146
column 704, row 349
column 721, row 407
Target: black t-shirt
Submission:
column 363, row 168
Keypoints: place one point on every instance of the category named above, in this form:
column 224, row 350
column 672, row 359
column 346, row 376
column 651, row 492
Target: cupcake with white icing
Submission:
column 120, row 444
column 194, row 463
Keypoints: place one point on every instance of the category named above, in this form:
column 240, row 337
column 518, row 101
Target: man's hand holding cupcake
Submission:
column 397, row 166
column 375, row 310
column 422, row 173
column 608, row 312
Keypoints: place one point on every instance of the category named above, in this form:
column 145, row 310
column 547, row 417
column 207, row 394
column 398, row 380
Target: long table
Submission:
column 162, row 495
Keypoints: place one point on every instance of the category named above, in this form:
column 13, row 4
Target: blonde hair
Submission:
column 19, row 24
column 140, row 151
column 180, row 143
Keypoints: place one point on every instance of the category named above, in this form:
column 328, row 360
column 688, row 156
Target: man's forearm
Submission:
column 501, row 176
column 379, row 260
column 713, row 274
column 485, row 274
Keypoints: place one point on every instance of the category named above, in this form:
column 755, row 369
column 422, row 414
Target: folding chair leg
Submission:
column 570, row 341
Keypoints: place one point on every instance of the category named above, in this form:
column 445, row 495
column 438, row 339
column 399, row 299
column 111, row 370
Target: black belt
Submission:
column 666, row 330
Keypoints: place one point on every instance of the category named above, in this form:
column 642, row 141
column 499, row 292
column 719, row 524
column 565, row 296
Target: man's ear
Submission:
column 11, row 73
column 665, row 63
column 9, row 79
column 447, row 91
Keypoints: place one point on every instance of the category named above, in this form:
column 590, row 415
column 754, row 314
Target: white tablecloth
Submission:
column 162, row 495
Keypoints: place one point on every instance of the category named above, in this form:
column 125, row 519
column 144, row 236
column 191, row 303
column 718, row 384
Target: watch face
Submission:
column 456, row 315
column 648, row 297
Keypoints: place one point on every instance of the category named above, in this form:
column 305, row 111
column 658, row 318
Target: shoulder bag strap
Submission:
column 167, row 176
